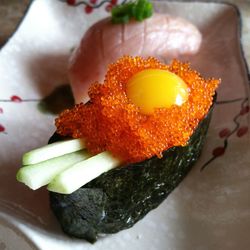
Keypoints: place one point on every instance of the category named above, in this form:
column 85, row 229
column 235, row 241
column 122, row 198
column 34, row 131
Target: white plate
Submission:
column 209, row 210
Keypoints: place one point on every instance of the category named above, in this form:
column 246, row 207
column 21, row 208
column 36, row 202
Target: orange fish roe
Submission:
column 109, row 121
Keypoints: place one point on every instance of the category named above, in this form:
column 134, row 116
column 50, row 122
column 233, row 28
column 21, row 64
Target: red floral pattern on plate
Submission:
column 2, row 128
column 90, row 5
column 225, row 133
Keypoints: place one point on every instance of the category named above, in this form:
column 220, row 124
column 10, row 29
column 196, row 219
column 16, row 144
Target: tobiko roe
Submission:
column 111, row 122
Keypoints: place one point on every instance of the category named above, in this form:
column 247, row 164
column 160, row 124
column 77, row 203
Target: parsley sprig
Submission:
column 139, row 10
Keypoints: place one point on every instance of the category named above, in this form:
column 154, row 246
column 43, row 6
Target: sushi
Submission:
column 119, row 198
column 136, row 155
column 162, row 36
column 139, row 127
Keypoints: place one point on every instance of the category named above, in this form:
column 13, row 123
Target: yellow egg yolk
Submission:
column 156, row 88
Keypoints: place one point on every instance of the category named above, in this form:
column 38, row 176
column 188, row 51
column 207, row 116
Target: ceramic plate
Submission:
column 209, row 210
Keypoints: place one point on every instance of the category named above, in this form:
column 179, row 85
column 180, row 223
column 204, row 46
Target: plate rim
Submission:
column 241, row 52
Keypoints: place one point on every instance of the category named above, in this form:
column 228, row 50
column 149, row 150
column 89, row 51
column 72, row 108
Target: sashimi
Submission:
column 161, row 36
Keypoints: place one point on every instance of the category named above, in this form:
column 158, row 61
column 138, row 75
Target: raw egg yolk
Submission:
column 156, row 88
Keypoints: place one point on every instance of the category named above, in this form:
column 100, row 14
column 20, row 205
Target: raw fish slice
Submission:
column 160, row 36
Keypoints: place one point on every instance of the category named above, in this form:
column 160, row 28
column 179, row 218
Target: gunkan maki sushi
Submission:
column 117, row 157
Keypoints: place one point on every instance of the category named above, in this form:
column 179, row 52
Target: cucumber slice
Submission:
column 52, row 150
column 40, row 174
column 81, row 173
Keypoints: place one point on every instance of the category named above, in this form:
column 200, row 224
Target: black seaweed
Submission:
column 119, row 198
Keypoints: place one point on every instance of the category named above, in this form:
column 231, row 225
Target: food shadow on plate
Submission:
column 47, row 71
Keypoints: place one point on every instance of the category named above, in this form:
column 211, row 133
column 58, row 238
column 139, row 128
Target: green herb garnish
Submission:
column 139, row 10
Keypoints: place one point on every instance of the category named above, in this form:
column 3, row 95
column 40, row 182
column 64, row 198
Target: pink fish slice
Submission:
column 161, row 36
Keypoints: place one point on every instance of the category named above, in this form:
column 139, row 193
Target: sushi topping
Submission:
column 138, row 10
column 135, row 117
column 143, row 108
column 156, row 88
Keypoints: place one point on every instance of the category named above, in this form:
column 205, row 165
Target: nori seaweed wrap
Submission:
column 119, row 198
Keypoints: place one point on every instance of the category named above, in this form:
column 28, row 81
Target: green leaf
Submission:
column 139, row 10
column 121, row 19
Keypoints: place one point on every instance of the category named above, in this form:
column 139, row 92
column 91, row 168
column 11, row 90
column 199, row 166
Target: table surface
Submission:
column 11, row 12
